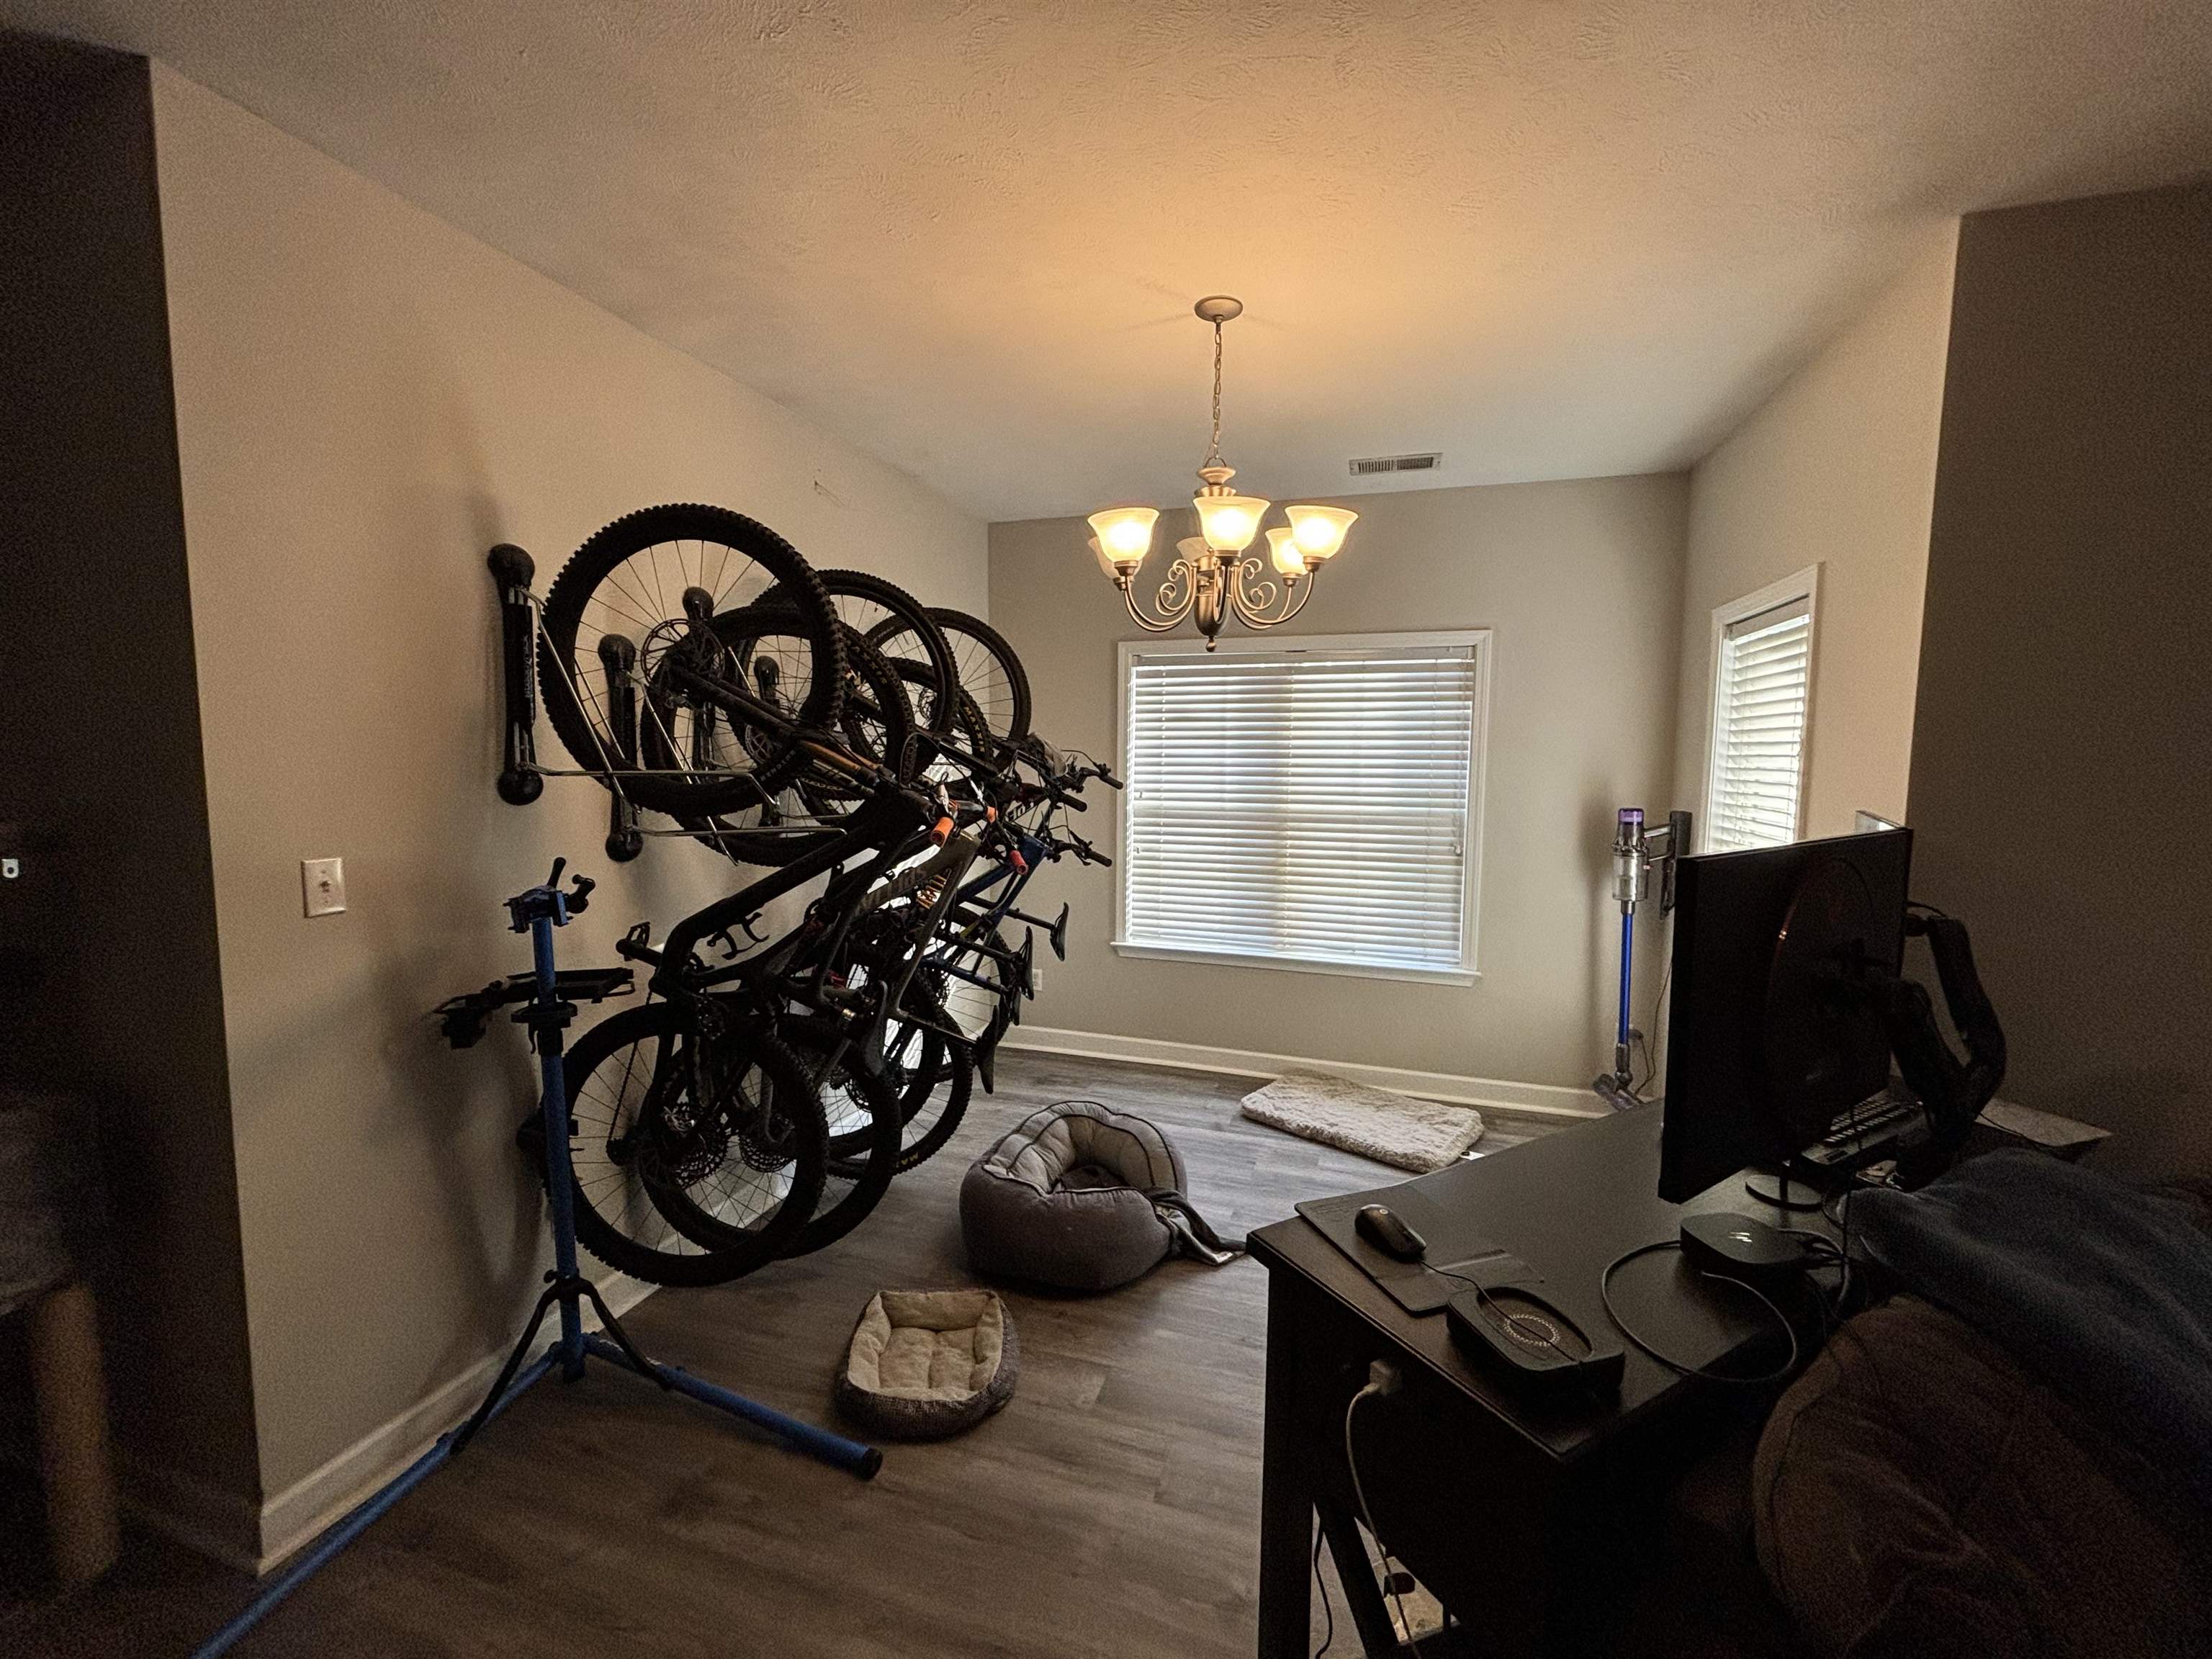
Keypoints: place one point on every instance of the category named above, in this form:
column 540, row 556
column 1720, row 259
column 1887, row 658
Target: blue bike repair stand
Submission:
column 537, row 913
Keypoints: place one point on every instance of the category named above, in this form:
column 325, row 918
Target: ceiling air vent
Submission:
column 1368, row 466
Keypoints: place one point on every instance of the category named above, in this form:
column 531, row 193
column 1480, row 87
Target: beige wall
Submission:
column 367, row 399
column 1582, row 582
column 1838, row 469
column 2060, row 793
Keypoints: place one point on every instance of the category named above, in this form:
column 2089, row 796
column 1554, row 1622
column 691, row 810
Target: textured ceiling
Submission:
column 1549, row 238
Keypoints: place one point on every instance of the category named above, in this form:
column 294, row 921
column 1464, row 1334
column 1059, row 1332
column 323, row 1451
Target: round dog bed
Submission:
column 1066, row 1199
column 923, row 1364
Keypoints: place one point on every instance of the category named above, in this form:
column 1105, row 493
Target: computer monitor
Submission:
column 1769, row 1040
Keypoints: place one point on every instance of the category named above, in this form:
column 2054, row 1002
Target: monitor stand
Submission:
column 1769, row 1188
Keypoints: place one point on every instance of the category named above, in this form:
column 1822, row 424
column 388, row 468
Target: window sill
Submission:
column 1294, row 965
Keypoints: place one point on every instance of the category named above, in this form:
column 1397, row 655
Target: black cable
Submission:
column 1651, row 1037
column 1327, row 1610
column 1605, row 1295
column 1358, row 1491
column 1834, row 1251
column 1514, row 1321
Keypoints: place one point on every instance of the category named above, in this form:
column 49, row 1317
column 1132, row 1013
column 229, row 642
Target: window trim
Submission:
column 1479, row 643
column 1800, row 585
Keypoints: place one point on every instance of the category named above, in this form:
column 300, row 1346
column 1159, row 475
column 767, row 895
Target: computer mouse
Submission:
column 1380, row 1227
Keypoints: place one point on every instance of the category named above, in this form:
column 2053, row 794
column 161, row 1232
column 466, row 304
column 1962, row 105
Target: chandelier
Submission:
column 1211, row 578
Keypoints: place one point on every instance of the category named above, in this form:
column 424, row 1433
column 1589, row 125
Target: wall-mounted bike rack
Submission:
column 521, row 777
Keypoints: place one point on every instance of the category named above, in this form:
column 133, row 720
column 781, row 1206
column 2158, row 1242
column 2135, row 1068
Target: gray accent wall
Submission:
column 1582, row 582
column 2059, row 782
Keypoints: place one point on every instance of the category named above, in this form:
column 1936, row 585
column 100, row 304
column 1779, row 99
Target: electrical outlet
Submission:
column 1037, row 979
column 322, row 886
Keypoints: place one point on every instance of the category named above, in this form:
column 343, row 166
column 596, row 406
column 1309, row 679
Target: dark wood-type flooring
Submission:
column 1110, row 1510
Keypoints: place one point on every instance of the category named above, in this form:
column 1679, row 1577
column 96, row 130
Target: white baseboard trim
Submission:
column 1544, row 1099
column 295, row 1516
column 221, row 1525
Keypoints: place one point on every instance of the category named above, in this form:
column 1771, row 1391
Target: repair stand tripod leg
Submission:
column 540, row 911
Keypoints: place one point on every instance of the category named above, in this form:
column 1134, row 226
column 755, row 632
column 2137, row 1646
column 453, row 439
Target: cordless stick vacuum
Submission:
column 1637, row 853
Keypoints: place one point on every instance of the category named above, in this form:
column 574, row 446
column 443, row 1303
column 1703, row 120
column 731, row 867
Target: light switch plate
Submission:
column 322, row 886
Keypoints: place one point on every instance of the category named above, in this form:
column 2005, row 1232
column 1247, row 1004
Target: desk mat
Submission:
column 1454, row 1247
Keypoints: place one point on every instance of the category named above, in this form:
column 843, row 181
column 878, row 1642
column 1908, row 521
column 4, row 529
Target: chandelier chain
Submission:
column 1213, row 449
column 1214, row 583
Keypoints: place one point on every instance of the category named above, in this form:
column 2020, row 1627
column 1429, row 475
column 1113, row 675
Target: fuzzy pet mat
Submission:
column 1389, row 1127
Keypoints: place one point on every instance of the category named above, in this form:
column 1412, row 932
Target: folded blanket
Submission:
column 2102, row 1290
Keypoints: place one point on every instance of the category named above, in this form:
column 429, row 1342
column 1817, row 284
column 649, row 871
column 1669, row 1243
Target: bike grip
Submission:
column 942, row 832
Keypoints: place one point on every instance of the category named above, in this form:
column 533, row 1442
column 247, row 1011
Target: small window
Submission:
column 1762, row 686
column 1310, row 806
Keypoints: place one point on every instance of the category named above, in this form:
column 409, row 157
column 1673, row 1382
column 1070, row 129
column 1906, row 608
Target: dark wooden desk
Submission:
column 1529, row 1523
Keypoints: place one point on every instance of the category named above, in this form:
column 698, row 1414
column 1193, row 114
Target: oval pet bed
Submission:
column 927, row 1364
column 1080, row 1198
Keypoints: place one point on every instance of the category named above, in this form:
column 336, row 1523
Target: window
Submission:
column 1314, row 805
column 1762, row 686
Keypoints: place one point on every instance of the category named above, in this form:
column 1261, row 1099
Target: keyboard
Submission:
column 1865, row 1125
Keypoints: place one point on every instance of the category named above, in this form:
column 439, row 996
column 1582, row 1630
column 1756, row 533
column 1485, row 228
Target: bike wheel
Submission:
column 875, row 720
column 967, row 733
column 862, row 1116
column 754, row 1158
column 934, row 1078
column 628, row 634
column 990, row 672
column 897, row 624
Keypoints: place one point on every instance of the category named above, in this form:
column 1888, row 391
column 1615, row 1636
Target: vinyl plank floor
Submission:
column 1111, row 1510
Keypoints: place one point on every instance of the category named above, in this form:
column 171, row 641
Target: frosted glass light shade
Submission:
column 1229, row 523
column 1125, row 534
column 1320, row 530
column 1283, row 549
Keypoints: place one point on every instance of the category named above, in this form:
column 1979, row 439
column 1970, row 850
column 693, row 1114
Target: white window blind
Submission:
column 1762, row 674
column 1302, row 806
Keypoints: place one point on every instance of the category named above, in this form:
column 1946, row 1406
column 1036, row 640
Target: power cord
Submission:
column 1605, row 1294
column 1383, row 1378
column 1328, row 1611
column 1652, row 1032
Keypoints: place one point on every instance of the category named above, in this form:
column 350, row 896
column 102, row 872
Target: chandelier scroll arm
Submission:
column 1167, row 615
column 1251, row 608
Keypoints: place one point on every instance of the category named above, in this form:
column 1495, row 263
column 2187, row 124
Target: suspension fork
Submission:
column 849, row 890
column 671, row 1063
column 947, row 895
